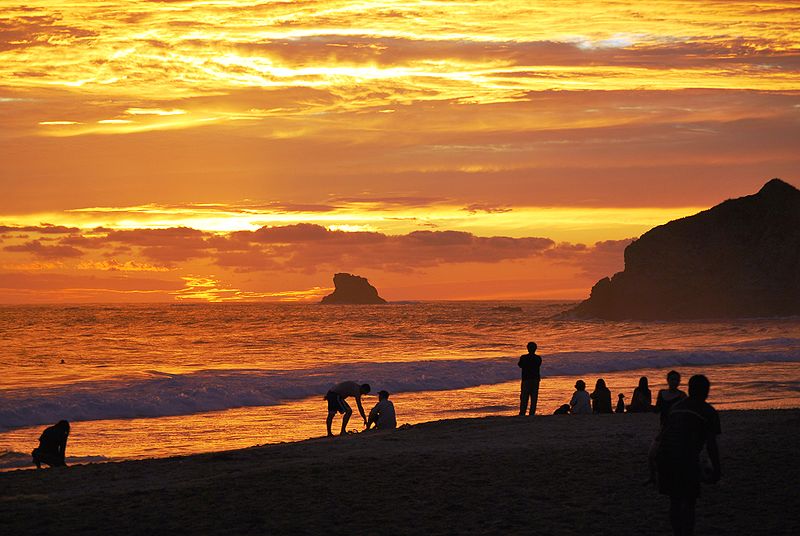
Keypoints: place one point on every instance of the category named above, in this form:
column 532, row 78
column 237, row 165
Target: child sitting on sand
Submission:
column 580, row 403
column 382, row 415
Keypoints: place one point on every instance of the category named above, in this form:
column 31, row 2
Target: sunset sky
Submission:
column 247, row 150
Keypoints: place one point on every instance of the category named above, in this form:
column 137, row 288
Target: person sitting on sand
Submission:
column 668, row 397
column 580, row 404
column 382, row 415
column 620, row 404
column 691, row 424
column 52, row 447
column 601, row 397
column 563, row 409
column 529, row 386
column 337, row 404
column 642, row 400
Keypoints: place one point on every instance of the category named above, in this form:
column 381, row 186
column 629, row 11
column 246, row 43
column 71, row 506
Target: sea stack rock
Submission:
column 352, row 289
column 740, row 258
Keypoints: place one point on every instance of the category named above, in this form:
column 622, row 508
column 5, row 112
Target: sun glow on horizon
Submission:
column 229, row 150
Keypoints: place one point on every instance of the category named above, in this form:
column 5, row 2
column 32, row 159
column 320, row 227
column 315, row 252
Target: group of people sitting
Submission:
column 599, row 400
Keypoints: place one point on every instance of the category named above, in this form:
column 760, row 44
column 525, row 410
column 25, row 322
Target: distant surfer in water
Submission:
column 337, row 404
column 52, row 446
column 529, row 386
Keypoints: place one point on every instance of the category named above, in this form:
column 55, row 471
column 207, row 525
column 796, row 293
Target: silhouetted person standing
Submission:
column 52, row 447
column 601, row 397
column 530, row 364
column 642, row 400
column 337, row 403
column 668, row 397
column 691, row 424
column 383, row 415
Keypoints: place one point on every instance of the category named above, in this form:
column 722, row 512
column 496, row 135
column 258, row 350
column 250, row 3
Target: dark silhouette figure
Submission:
column 580, row 403
column 563, row 409
column 337, row 403
column 530, row 364
column 601, row 397
column 642, row 400
column 691, row 424
column 620, row 404
column 52, row 447
column 668, row 397
column 382, row 415
column 664, row 402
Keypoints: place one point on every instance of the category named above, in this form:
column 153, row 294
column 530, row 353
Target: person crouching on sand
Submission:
column 52, row 447
column 337, row 404
column 580, row 403
column 382, row 415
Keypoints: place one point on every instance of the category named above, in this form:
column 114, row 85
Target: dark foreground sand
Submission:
column 496, row 475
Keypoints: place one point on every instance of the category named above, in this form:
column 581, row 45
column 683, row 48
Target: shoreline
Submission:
column 551, row 474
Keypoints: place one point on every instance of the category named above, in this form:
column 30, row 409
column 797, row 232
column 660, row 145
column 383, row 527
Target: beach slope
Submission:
column 496, row 475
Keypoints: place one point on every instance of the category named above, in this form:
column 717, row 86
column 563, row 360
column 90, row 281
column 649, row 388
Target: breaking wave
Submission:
column 10, row 459
column 163, row 394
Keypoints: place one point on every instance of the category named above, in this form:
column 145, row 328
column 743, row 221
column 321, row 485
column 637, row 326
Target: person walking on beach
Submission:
column 601, row 397
column 337, row 404
column 664, row 401
column 691, row 424
column 668, row 397
column 580, row 404
column 530, row 364
column 52, row 447
column 383, row 415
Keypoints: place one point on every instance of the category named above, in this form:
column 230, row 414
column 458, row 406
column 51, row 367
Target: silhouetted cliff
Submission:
column 352, row 289
column 740, row 258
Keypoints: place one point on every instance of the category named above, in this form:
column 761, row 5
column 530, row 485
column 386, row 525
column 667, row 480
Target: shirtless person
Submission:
column 337, row 404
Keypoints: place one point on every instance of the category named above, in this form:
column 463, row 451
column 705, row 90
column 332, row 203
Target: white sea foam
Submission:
column 10, row 459
column 163, row 394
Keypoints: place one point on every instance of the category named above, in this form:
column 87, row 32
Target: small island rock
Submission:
column 352, row 289
column 738, row 259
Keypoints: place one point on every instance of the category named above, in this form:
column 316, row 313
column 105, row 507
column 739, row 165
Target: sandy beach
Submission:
column 494, row 475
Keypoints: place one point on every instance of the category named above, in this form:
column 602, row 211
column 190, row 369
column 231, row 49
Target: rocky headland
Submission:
column 740, row 258
column 352, row 289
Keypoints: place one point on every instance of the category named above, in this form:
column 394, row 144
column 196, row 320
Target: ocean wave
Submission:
column 10, row 459
column 163, row 394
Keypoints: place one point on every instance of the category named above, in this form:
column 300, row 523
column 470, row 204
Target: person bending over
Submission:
column 337, row 402
column 382, row 415
column 691, row 424
column 52, row 447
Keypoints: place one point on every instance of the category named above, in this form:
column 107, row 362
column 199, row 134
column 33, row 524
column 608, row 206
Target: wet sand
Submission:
column 494, row 475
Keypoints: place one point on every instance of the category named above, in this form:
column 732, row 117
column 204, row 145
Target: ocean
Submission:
column 157, row 380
